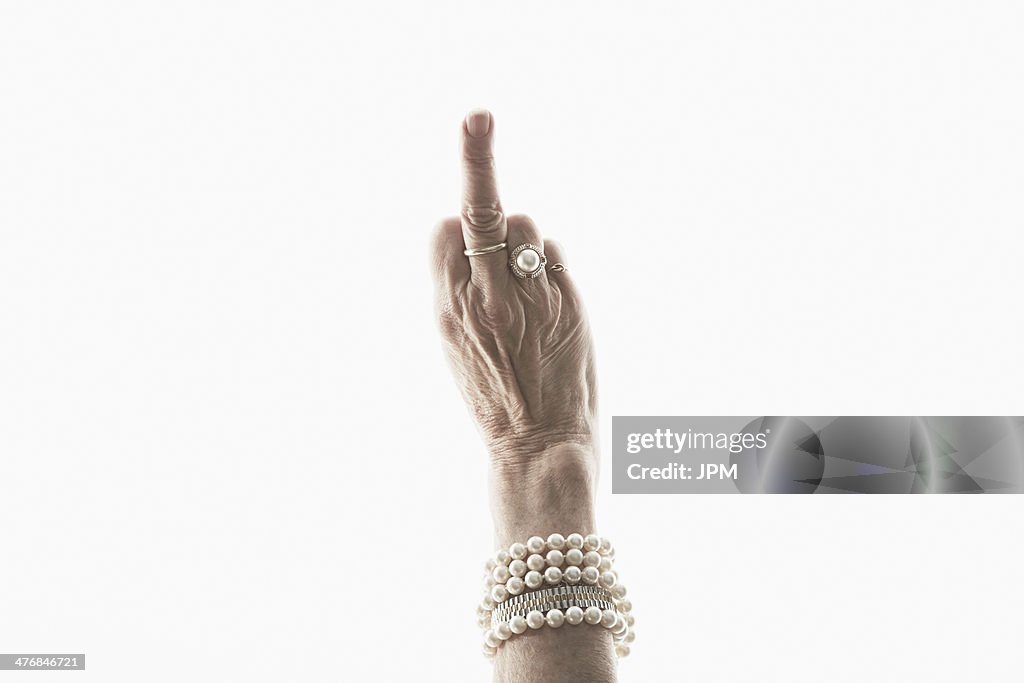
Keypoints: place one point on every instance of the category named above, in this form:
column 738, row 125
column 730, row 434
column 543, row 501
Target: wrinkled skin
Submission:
column 520, row 349
column 521, row 352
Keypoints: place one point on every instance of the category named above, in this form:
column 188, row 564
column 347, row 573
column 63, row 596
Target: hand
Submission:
column 521, row 352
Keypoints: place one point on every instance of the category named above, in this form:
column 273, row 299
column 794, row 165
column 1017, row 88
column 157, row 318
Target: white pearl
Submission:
column 489, row 565
column 619, row 591
column 502, row 557
column 590, row 575
column 481, row 611
column 621, row 627
column 591, row 542
column 535, row 544
column 556, row 541
column 608, row 618
column 490, row 651
column 630, row 619
column 499, row 593
column 488, row 582
column 625, row 605
column 606, row 564
column 528, row 260
column 574, row 541
column 630, row 636
column 572, row 575
column 607, row 580
column 503, row 631
column 574, row 615
column 574, row 557
column 536, row 562
column 553, row 575
column 517, row 568
column 488, row 602
column 491, row 639
column 515, row 586
column 517, row 624
column 555, row 558
column 533, row 579
column 605, row 547
column 517, row 551
column 591, row 559
column 622, row 650
column 484, row 623
column 592, row 615
column 555, row 618
column 500, row 574
column 535, row 619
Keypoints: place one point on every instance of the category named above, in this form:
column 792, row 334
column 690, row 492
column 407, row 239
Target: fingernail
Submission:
column 478, row 123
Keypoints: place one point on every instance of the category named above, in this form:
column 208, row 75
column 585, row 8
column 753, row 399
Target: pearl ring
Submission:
column 527, row 261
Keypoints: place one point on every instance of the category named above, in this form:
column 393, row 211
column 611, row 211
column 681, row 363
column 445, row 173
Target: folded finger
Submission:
column 523, row 232
column 449, row 265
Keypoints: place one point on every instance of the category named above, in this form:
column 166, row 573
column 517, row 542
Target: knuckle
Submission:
column 446, row 241
column 483, row 218
column 496, row 315
column 446, row 232
column 481, row 161
column 522, row 220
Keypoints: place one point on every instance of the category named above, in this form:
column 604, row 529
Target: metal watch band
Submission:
column 558, row 597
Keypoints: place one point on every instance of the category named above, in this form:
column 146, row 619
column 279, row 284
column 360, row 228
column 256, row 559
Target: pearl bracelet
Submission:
column 564, row 579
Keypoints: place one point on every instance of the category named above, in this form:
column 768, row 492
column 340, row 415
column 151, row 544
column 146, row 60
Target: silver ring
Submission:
column 485, row 250
column 557, row 268
column 527, row 261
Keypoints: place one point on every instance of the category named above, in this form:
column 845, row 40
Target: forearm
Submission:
column 545, row 493
column 519, row 345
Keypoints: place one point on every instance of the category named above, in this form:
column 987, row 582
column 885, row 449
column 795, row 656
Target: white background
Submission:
column 229, row 445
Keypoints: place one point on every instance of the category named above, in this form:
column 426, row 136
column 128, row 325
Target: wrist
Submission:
column 543, row 493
